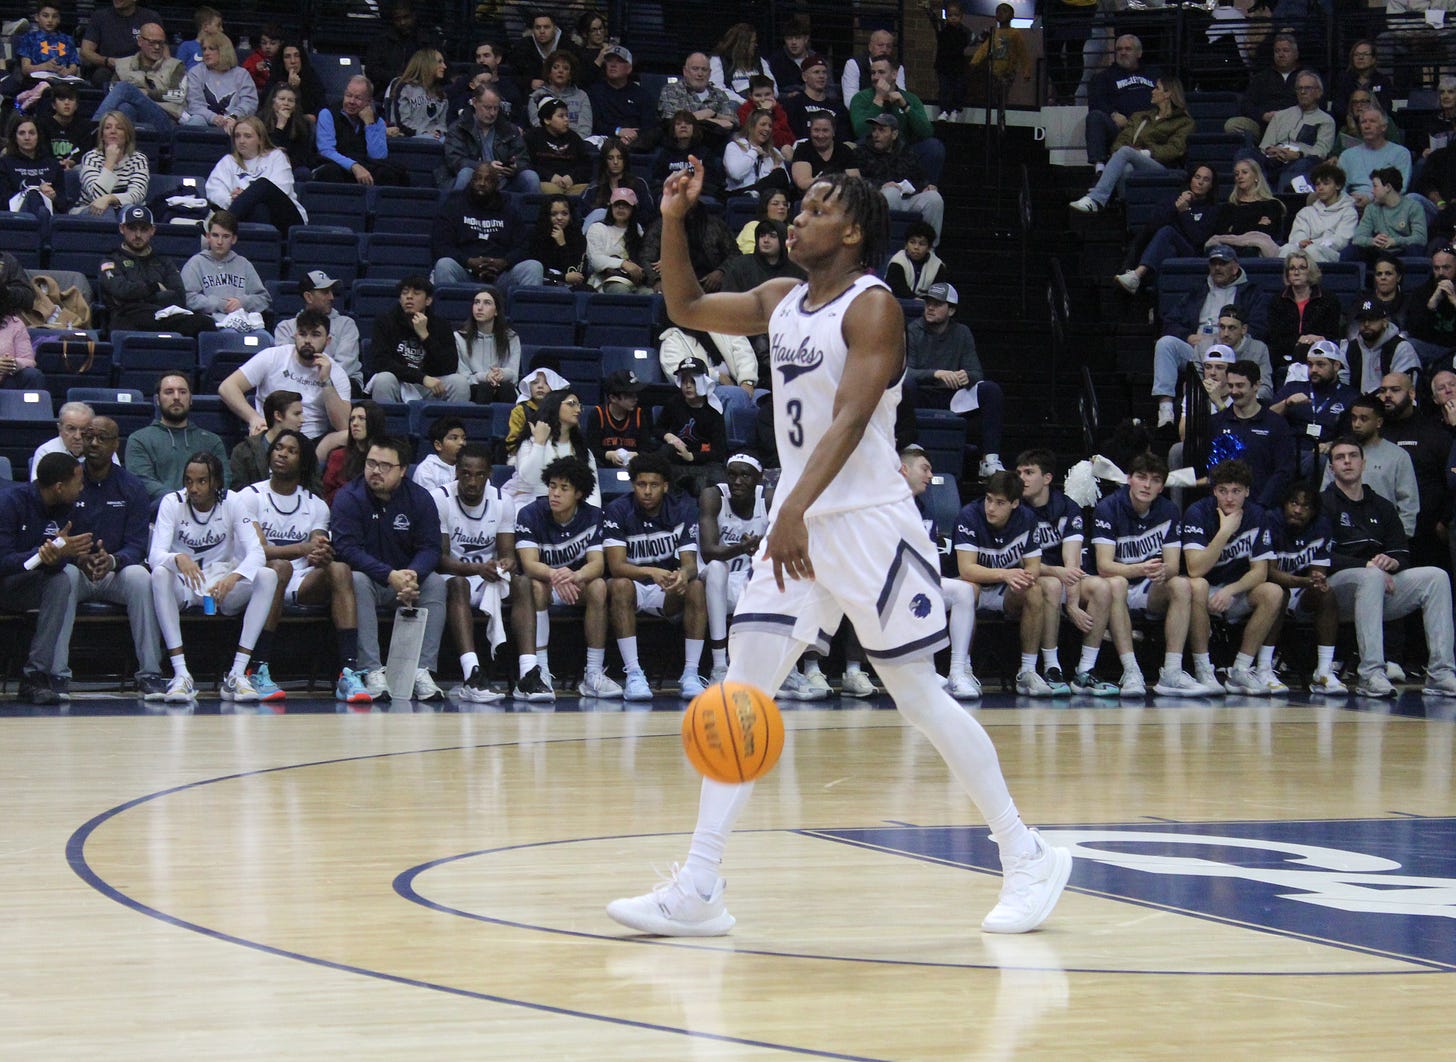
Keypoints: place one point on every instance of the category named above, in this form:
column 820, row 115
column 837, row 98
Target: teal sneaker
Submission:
column 268, row 690
column 350, row 688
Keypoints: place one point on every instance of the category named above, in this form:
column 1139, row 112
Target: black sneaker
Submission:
column 476, row 688
column 151, row 687
column 35, row 688
column 532, row 687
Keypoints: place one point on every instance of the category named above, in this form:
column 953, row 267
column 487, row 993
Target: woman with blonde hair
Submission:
column 735, row 59
column 1252, row 218
column 417, row 98
column 1153, row 141
column 114, row 174
column 1303, row 313
column 219, row 91
column 751, row 161
column 255, row 181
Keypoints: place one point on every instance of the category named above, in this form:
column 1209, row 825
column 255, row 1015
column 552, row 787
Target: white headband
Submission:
column 746, row 459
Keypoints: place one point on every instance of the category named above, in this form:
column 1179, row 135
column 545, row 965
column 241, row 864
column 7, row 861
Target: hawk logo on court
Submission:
column 1384, row 887
column 920, row 606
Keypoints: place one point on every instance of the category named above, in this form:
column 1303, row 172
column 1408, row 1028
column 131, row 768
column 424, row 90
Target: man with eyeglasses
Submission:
column 1298, row 138
column 114, row 510
column 148, row 86
column 111, row 36
column 387, row 529
column 485, row 135
column 72, row 422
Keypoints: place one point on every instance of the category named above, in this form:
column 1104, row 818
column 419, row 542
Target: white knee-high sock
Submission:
column 760, row 660
column 964, row 745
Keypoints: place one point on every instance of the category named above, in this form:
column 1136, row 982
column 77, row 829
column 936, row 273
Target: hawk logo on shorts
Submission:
column 920, row 606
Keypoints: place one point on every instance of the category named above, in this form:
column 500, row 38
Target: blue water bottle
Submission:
column 209, row 606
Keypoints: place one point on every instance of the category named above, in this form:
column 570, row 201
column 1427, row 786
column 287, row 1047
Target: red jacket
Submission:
column 783, row 136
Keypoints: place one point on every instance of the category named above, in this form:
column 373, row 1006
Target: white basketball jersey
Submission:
column 286, row 519
column 808, row 352
column 472, row 531
column 223, row 534
column 733, row 529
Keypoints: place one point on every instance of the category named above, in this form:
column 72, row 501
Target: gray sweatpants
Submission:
column 372, row 595
column 1362, row 597
column 130, row 586
column 54, row 596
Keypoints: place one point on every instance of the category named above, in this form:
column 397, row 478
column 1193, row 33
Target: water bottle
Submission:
column 209, row 606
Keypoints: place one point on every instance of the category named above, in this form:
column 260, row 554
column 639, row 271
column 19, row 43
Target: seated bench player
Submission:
column 296, row 546
column 477, row 556
column 1300, row 536
column 1226, row 551
column 559, row 562
column 998, row 554
column 1059, row 533
column 960, row 599
column 1135, row 538
column 732, row 519
column 650, row 538
column 204, row 545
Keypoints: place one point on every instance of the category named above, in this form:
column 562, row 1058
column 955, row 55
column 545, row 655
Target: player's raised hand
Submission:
column 681, row 190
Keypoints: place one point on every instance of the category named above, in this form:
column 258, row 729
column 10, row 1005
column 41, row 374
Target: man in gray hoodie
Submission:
column 223, row 283
column 158, row 453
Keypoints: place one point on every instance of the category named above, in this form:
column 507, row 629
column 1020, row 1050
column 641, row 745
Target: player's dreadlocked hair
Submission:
column 865, row 207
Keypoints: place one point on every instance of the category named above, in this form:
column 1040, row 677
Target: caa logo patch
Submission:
column 920, row 606
column 1385, row 887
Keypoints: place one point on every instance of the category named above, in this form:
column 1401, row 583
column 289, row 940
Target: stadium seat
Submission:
column 614, row 481
column 335, row 71
column 742, row 427
column 141, row 356
column 1146, row 192
column 286, row 299
column 410, row 210
column 177, row 242
column 334, row 250
column 370, row 298
column 943, row 437
column 115, row 395
column 396, row 255
column 20, row 234
column 546, row 333
column 420, row 158
column 577, row 364
column 211, row 344
column 260, row 245
column 537, row 304
column 26, row 406
column 79, row 242
column 195, row 151
column 478, row 419
column 129, row 416
column 72, row 359
column 344, row 205
column 452, row 302
column 640, row 360
column 619, row 320
column 944, row 503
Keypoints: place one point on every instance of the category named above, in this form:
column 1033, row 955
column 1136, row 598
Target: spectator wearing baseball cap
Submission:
column 1193, row 322
column 143, row 290
column 817, row 96
column 1316, row 407
column 943, row 371
column 614, row 255
column 694, row 433
column 1378, row 348
column 319, row 290
column 621, row 107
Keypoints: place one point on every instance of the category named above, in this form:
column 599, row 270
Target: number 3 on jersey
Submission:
column 795, row 409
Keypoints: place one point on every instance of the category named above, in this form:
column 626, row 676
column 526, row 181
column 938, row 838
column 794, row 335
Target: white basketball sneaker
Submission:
column 1031, row 888
column 675, row 909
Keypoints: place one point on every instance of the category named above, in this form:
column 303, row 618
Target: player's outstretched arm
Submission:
column 688, row 306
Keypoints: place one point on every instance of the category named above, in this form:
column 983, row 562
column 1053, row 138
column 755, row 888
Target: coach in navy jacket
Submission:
column 387, row 529
column 30, row 518
column 115, row 509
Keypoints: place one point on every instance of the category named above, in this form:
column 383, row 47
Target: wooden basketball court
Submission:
column 1278, row 877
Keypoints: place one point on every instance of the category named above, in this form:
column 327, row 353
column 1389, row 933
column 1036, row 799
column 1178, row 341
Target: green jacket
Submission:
column 1166, row 138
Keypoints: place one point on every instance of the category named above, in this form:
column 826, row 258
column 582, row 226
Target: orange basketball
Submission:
column 733, row 732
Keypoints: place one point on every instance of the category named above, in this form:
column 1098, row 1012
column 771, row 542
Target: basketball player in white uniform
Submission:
column 844, row 538
column 732, row 518
column 205, row 546
column 295, row 523
column 477, row 556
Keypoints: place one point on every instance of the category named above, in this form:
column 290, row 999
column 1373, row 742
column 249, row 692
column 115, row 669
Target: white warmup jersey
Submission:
column 808, row 352
column 286, row 519
column 733, row 529
column 223, row 539
column 472, row 531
